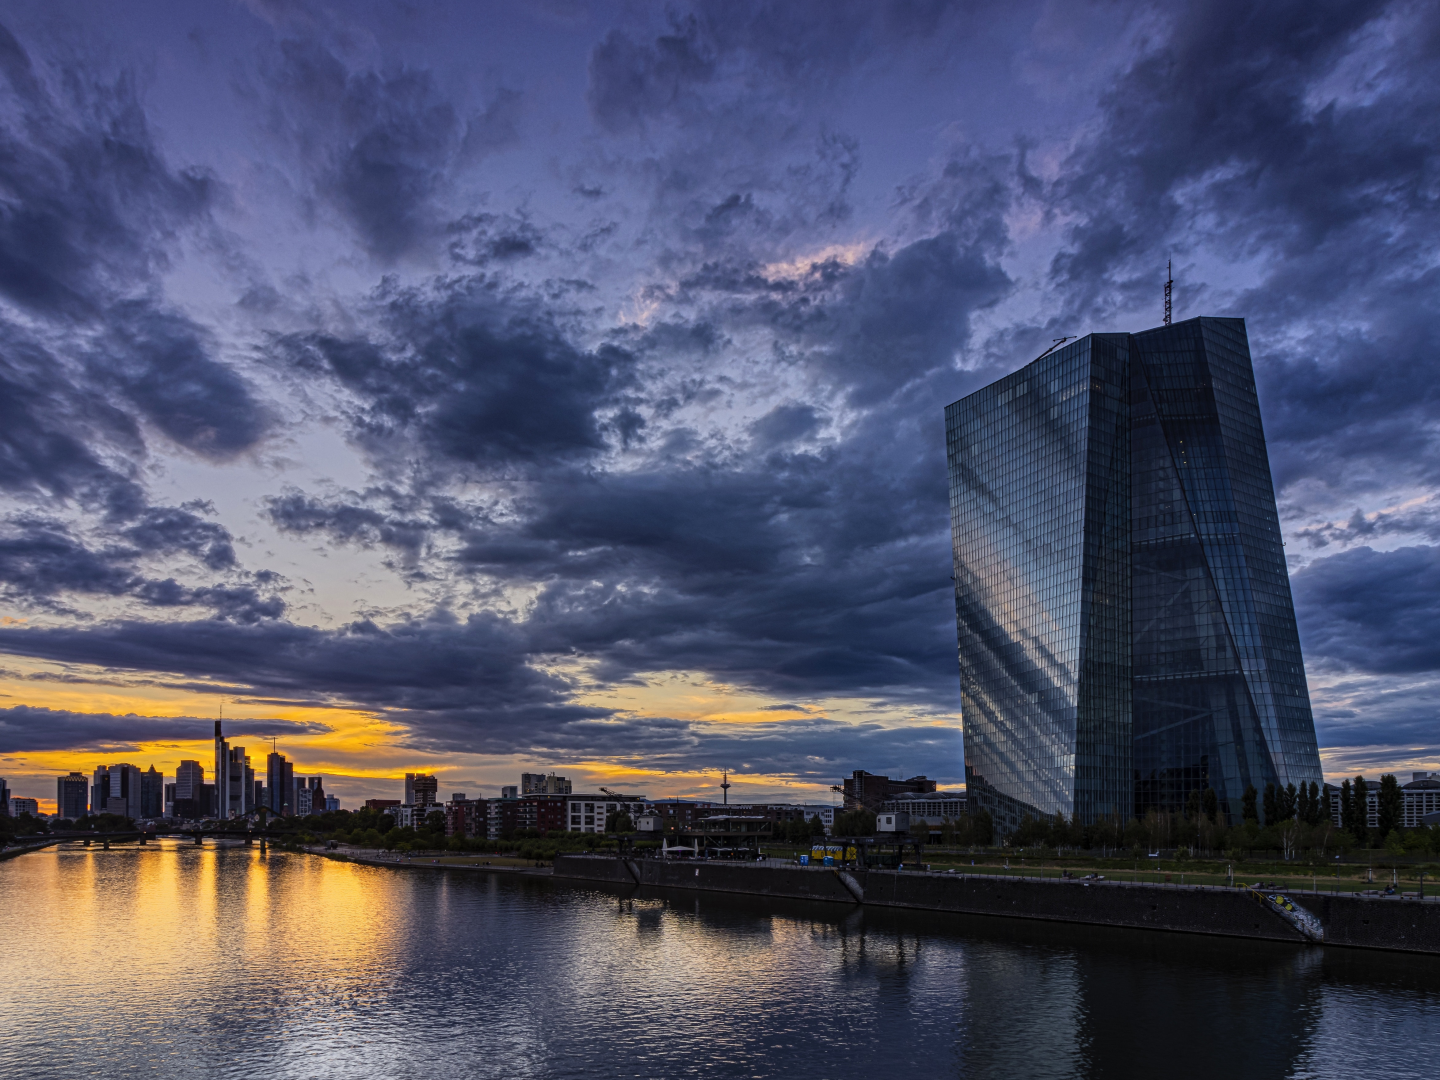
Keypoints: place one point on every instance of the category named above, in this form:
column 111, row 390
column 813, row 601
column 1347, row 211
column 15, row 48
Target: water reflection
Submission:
column 171, row 960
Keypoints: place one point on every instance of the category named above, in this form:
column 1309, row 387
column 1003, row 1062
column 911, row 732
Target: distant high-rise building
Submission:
column 116, row 789
column 169, row 800
column 332, row 802
column 4, row 798
column 72, row 796
column 280, row 784
column 1126, row 630
column 222, row 774
column 152, row 794
column 20, row 805
column 188, row 778
column 510, row 791
column 543, row 784
column 304, row 804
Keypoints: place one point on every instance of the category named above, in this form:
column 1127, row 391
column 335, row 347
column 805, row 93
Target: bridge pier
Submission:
column 142, row 838
column 107, row 845
column 199, row 840
column 262, row 845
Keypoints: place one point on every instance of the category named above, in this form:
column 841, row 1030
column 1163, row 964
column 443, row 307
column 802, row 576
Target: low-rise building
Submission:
column 466, row 818
column 1421, row 796
column 588, row 813
column 20, row 805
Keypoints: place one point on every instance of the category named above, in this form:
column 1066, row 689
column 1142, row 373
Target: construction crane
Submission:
column 851, row 801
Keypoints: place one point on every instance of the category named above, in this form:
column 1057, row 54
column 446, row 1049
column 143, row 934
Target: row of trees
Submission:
column 1355, row 807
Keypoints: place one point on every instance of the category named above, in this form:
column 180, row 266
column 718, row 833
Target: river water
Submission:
column 169, row 960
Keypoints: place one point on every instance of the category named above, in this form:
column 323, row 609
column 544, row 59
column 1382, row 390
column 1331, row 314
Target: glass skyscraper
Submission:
column 1126, row 632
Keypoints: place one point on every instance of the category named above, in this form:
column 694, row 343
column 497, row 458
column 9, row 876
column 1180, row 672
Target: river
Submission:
column 170, row 960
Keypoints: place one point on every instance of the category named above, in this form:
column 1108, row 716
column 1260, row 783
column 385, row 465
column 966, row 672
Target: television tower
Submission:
column 725, row 786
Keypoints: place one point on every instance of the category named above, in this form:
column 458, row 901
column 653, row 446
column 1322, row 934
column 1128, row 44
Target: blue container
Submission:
column 804, row 860
column 829, row 860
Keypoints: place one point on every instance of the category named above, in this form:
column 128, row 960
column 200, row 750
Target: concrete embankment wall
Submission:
column 1353, row 921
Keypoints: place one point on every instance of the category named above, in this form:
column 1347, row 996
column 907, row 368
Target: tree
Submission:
column 982, row 828
column 1192, row 806
column 1210, row 803
column 1250, row 813
column 919, row 830
column 1272, row 808
column 1391, row 805
column 1287, row 801
column 1360, row 811
column 619, row 821
column 435, row 821
column 817, row 827
column 1347, row 808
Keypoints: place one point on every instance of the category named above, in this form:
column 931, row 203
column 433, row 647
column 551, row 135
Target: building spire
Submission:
column 1169, row 283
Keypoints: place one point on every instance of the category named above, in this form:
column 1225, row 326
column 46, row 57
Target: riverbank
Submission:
column 496, row 864
column 1405, row 925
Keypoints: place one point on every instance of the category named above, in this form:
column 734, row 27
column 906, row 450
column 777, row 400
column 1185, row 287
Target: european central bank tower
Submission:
column 1127, row 634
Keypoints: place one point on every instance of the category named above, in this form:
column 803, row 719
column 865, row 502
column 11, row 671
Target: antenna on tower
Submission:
column 725, row 786
column 1169, row 284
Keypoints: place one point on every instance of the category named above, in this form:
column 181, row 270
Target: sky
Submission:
column 475, row 388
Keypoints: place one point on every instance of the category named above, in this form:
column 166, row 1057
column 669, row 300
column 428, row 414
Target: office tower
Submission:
column 332, row 802
column 205, row 801
column 1126, row 631
column 117, row 789
column 280, row 784
column 72, row 795
column 4, row 798
column 222, row 774
column 152, row 794
column 169, row 811
column 317, row 795
column 304, row 805
column 234, row 779
column 188, row 778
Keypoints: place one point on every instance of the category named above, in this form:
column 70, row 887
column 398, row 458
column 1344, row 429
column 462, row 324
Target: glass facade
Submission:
column 1126, row 632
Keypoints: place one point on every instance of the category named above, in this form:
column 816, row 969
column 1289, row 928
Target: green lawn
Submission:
column 1295, row 875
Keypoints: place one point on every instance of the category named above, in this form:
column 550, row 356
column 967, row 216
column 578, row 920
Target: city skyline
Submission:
column 532, row 388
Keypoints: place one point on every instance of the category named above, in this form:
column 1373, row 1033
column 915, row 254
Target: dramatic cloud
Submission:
column 459, row 381
column 25, row 729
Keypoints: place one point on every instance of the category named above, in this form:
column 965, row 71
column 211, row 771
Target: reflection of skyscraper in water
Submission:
column 1126, row 632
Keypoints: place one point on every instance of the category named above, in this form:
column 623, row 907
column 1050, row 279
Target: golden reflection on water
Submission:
column 172, row 959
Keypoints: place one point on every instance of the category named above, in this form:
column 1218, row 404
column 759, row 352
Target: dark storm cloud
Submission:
column 90, row 207
column 45, row 565
column 440, row 666
column 774, row 49
column 472, row 378
column 1371, row 611
column 1302, row 139
column 28, row 729
column 380, row 145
